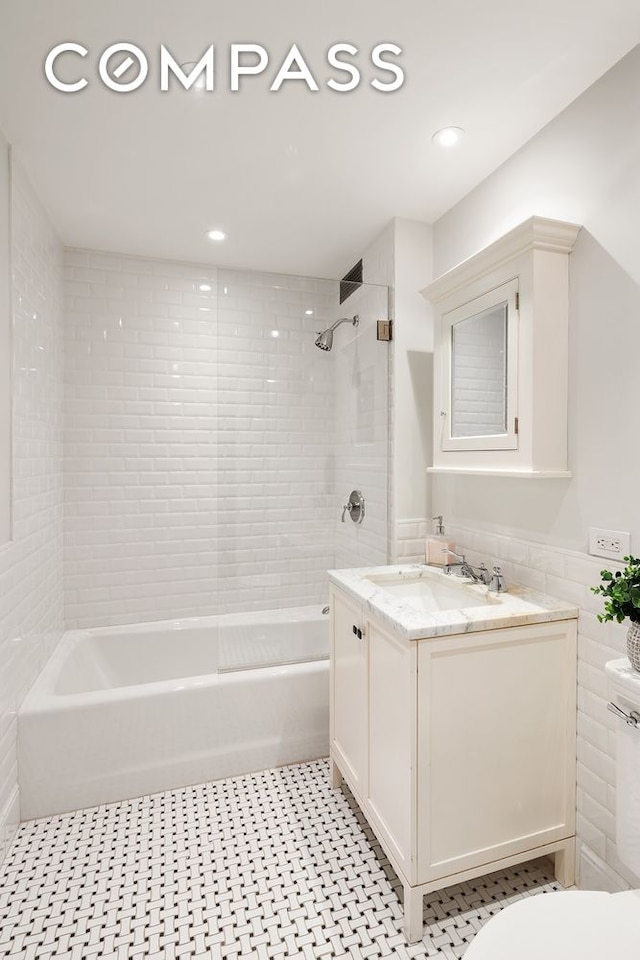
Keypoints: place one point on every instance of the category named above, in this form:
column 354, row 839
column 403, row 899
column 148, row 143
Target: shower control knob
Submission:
column 354, row 507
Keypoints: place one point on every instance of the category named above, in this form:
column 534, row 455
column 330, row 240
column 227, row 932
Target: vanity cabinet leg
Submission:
column 564, row 864
column 336, row 776
column 413, row 914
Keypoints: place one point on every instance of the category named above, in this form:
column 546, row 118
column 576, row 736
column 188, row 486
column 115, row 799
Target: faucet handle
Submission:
column 497, row 583
column 459, row 556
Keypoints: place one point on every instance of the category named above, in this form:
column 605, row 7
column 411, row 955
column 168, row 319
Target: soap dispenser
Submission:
column 438, row 547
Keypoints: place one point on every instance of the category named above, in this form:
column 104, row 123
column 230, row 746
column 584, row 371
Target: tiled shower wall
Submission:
column 568, row 575
column 200, row 440
column 277, row 443
column 31, row 598
column 140, row 440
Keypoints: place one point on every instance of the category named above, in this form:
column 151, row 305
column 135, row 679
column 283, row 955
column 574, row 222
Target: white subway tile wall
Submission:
column 140, row 440
column 277, row 440
column 567, row 575
column 31, row 595
column 201, row 439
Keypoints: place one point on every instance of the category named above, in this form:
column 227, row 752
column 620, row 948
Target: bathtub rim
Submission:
column 42, row 697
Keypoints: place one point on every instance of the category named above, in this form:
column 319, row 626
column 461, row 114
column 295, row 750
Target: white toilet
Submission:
column 584, row 924
column 569, row 925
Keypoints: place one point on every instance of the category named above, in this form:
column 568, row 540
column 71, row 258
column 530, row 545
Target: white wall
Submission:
column 413, row 369
column 401, row 256
column 583, row 167
column 31, row 601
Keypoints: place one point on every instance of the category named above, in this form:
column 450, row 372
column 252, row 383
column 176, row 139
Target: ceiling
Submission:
column 300, row 181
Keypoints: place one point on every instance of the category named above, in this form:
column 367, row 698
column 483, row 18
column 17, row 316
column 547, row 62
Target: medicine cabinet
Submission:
column 501, row 355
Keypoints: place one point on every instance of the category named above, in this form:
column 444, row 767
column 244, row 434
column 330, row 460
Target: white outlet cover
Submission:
column 610, row 544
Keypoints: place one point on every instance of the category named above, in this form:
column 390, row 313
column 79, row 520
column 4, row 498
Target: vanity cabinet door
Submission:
column 349, row 681
column 497, row 732
column 392, row 742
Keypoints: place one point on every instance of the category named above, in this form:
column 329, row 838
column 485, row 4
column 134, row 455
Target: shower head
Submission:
column 324, row 340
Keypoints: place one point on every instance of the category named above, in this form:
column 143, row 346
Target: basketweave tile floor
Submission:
column 268, row 865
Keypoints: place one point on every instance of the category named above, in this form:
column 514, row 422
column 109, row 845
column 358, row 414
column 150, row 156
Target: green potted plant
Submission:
column 621, row 591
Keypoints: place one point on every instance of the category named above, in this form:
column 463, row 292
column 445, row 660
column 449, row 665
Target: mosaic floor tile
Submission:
column 268, row 865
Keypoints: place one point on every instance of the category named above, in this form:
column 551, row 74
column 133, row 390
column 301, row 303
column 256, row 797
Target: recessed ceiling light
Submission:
column 205, row 287
column 217, row 235
column 309, row 313
column 448, row 136
column 275, row 333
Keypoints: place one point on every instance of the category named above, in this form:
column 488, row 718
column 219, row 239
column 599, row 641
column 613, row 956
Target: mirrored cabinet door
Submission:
column 501, row 351
column 480, row 372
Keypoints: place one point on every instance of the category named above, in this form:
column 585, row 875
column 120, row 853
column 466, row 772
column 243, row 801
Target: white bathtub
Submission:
column 121, row 712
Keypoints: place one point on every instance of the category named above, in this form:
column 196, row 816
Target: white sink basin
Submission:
column 430, row 594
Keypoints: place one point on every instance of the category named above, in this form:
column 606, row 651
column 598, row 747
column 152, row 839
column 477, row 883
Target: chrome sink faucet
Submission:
column 494, row 580
column 478, row 575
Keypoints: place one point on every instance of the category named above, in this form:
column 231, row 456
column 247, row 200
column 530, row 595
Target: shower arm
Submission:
column 352, row 320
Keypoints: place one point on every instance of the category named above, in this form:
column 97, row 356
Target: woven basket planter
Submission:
column 633, row 645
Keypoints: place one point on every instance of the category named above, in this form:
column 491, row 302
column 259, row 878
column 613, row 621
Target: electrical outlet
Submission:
column 611, row 544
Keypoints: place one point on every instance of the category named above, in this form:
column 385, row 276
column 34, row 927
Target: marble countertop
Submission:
column 517, row 606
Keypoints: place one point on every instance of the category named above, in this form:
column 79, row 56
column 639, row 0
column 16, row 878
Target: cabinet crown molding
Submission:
column 536, row 233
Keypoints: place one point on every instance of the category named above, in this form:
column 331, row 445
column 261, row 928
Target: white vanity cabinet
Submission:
column 459, row 749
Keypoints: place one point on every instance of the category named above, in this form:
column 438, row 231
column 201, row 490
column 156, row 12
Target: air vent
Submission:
column 351, row 281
